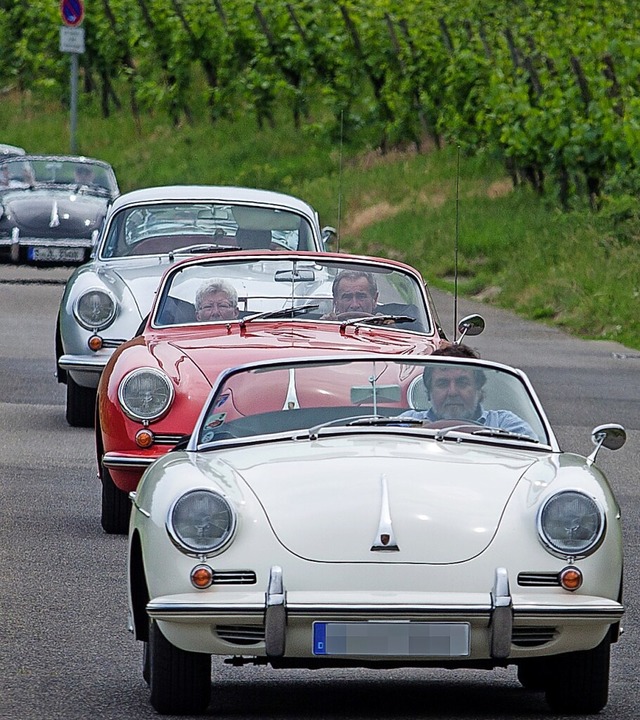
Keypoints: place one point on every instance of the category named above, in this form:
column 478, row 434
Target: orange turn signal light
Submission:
column 145, row 438
column 570, row 578
column 95, row 343
column 202, row 577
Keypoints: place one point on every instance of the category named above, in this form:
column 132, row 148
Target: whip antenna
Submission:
column 457, row 236
column 340, row 177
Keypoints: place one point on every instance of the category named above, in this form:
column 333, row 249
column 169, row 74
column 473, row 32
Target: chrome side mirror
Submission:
column 329, row 235
column 612, row 436
column 470, row 325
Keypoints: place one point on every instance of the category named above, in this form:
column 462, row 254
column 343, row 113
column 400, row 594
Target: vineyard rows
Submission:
column 552, row 86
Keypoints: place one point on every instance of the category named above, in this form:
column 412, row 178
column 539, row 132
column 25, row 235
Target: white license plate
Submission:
column 56, row 254
column 401, row 639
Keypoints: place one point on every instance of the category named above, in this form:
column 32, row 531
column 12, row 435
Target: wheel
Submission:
column 180, row 681
column 532, row 674
column 578, row 683
column 81, row 404
column 116, row 506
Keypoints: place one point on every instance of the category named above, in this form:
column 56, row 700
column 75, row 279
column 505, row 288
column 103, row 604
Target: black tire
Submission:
column 81, row 404
column 146, row 663
column 578, row 683
column 116, row 506
column 180, row 681
column 533, row 674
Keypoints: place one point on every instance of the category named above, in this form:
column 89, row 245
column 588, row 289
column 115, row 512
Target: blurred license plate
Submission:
column 406, row 639
column 56, row 254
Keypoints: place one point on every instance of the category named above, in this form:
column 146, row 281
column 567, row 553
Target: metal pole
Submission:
column 74, row 102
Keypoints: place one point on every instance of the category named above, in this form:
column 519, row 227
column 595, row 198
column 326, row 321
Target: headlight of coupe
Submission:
column 145, row 394
column 570, row 523
column 95, row 309
column 201, row 522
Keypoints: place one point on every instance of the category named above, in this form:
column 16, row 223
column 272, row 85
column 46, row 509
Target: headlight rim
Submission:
column 95, row 327
column 593, row 546
column 189, row 550
column 136, row 416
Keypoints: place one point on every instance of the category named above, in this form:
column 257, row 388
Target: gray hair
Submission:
column 210, row 287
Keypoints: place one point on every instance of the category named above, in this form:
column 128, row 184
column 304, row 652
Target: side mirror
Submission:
column 329, row 235
column 470, row 325
column 612, row 436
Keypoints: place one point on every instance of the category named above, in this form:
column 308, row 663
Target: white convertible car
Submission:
column 377, row 511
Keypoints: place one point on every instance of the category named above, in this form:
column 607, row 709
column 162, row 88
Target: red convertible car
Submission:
column 216, row 312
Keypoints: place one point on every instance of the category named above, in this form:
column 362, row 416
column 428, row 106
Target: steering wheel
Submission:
column 353, row 315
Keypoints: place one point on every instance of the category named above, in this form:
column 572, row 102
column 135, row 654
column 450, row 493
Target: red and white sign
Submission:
column 72, row 12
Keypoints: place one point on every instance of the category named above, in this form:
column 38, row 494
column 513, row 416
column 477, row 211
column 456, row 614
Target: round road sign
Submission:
column 72, row 12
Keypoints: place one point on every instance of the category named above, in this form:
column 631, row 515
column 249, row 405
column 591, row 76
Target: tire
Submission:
column 578, row 683
column 146, row 663
column 116, row 506
column 180, row 681
column 533, row 674
column 81, row 404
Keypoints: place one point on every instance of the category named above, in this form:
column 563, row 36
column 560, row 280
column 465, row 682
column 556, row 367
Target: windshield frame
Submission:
column 546, row 444
column 293, row 271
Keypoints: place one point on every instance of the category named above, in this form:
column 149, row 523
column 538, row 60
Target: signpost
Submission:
column 72, row 41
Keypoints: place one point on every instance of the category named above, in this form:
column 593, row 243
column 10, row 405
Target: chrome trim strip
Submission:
column 275, row 614
column 602, row 613
column 291, row 402
column 385, row 540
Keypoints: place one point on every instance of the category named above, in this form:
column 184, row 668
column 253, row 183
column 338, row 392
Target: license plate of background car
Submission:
column 404, row 639
column 56, row 254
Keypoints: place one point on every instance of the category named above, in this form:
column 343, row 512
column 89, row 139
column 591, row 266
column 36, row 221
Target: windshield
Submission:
column 441, row 397
column 319, row 289
column 29, row 171
column 160, row 228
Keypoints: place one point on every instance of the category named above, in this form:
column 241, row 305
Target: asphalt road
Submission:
column 65, row 652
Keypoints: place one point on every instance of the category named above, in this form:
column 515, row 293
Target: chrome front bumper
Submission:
column 492, row 615
column 83, row 363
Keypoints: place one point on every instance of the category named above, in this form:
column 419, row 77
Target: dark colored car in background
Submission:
column 52, row 207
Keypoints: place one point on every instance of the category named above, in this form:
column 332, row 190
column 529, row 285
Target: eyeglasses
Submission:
column 208, row 307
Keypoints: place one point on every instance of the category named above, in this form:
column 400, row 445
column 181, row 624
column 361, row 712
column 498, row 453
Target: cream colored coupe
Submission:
column 377, row 511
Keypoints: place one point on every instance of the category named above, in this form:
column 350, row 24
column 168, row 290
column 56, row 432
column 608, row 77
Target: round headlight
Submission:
column 201, row 522
column 95, row 309
column 571, row 524
column 145, row 394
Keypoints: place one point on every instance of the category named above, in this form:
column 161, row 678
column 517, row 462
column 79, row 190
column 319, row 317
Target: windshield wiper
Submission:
column 201, row 248
column 363, row 420
column 282, row 312
column 501, row 432
column 470, row 428
column 380, row 320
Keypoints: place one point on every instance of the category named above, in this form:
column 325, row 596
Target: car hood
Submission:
column 141, row 277
column 272, row 340
column 325, row 499
column 58, row 213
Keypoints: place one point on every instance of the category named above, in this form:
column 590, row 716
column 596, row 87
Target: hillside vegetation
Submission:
column 405, row 124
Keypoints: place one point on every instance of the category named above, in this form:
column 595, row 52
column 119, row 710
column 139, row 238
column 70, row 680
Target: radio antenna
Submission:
column 340, row 177
column 457, row 237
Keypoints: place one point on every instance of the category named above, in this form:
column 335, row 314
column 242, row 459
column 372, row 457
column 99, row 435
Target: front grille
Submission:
column 532, row 636
column 539, row 579
column 241, row 634
column 234, row 577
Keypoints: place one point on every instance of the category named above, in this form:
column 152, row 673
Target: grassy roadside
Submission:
column 575, row 270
